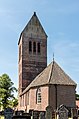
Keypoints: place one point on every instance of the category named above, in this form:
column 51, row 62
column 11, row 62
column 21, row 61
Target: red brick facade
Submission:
column 52, row 86
column 48, row 97
column 64, row 94
column 29, row 99
column 32, row 52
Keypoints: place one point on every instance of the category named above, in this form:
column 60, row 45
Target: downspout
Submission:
column 50, row 75
column 48, row 94
column 56, row 94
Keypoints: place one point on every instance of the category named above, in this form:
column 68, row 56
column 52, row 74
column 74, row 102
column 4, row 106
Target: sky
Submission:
column 60, row 20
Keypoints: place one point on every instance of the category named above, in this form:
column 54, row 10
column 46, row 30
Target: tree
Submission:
column 77, row 96
column 6, row 91
column 14, row 102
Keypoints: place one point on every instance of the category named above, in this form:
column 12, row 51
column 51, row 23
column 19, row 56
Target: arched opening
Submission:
column 30, row 46
column 38, row 49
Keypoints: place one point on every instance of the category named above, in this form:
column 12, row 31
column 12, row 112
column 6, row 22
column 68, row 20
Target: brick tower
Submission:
column 32, row 52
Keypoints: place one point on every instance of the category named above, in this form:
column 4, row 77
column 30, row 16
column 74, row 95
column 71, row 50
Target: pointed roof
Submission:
column 34, row 21
column 34, row 26
column 53, row 74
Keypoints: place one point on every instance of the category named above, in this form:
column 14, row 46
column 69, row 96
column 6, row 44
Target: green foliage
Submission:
column 77, row 96
column 14, row 102
column 6, row 91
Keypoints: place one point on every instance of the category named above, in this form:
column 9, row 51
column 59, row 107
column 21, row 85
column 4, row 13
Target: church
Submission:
column 41, row 85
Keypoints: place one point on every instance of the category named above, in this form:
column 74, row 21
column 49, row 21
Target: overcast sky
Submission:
column 60, row 19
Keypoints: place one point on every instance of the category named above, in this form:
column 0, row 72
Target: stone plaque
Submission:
column 41, row 115
column 8, row 113
column 74, row 113
column 62, row 112
column 49, row 111
column 35, row 114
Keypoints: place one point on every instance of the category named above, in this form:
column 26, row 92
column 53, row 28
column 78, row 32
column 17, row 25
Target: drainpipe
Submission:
column 56, row 94
column 49, row 94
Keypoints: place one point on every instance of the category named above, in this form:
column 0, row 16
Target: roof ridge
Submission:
column 51, row 71
column 52, row 74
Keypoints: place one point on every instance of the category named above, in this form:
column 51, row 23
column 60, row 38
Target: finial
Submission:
column 53, row 57
column 34, row 13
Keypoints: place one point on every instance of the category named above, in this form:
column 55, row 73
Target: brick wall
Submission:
column 65, row 95
column 31, row 64
column 32, row 99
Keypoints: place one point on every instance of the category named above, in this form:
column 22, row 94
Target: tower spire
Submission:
column 51, row 69
column 53, row 57
column 34, row 13
column 30, row 67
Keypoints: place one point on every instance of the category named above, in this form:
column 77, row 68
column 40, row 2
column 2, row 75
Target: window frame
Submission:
column 38, row 96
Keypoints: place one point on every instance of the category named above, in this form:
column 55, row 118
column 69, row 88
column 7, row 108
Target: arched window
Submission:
column 38, row 48
column 30, row 46
column 38, row 96
column 34, row 47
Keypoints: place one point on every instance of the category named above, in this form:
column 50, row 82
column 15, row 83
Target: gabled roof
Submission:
column 34, row 26
column 52, row 74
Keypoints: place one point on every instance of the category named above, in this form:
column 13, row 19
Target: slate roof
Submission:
column 32, row 22
column 52, row 74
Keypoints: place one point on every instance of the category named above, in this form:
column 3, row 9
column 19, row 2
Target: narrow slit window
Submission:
column 38, row 47
column 30, row 46
column 34, row 47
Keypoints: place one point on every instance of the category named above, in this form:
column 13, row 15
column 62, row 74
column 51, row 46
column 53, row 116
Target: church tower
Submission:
column 32, row 52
